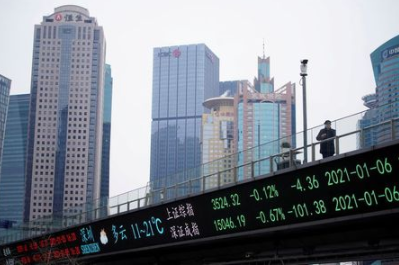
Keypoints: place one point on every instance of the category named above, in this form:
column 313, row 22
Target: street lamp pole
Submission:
column 305, row 118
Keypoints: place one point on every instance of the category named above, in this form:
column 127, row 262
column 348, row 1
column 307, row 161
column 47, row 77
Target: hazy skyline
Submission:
column 336, row 36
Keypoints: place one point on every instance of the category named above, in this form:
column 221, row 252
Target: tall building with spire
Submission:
column 263, row 82
column 262, row 116
column 66, row 112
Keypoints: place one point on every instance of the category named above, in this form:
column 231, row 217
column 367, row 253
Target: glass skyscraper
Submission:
column 263, row 115
column 106, row 132
column 183, row 78
column 5, row 86
column 385, row 102
column 12, row 180
column 66, row 113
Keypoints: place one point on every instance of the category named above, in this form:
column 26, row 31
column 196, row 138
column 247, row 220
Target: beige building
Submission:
column 66, row 113
column 217, row 141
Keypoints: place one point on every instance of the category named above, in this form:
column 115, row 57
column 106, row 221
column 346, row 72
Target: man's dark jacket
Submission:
column 326, row 147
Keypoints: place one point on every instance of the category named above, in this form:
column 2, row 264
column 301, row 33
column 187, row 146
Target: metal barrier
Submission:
column 199, row 182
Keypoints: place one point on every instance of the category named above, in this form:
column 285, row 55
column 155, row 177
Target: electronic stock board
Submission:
column 358, row 184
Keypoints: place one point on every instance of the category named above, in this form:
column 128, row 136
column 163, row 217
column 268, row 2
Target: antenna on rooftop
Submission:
column 263, row 48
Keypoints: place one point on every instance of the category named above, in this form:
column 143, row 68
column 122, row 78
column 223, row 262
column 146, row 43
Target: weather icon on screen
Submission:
column 103, row 237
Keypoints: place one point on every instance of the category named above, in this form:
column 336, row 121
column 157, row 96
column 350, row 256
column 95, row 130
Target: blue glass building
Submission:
column 385, row 63
column 12, row 180
column 5, row 86
column 106, row 133
column 263, row 83
column 183, row 78
column 264, row 115
column 66, row 113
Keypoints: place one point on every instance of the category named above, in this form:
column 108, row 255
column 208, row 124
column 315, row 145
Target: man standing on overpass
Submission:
column 326, row 147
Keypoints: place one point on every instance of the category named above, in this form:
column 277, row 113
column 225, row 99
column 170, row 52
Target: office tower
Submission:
column 5, row 86
column 106, row 133
column 66, row 113
column 12, row 180
column 263, row 115
column 368, row 137
column 385, row 63
column 217, row 141
column 183, row 78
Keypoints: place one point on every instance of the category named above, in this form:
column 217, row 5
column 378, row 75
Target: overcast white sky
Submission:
column 336, row 36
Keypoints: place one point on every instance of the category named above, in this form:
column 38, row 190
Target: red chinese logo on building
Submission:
column 176, row 53
column 58, row 17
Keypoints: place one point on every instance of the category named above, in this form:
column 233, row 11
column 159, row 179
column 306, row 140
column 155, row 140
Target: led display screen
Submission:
column 358, row 184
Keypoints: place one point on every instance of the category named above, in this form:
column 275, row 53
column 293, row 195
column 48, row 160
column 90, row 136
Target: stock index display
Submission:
column 357, row 184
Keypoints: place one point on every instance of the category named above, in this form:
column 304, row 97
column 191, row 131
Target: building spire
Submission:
column 263, row 48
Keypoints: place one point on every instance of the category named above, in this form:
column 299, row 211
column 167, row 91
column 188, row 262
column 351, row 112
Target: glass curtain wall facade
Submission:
column 104, row 193
column 66, row 113
column 183, row 78
column 263, row 83
column 258, row 123
column 5, row 86
column 12, row 180
column 385, row 63
column 263, row 115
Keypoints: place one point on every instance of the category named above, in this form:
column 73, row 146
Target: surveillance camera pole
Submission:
column 305, row 118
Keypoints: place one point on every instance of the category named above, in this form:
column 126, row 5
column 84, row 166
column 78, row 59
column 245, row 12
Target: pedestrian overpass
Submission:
column 341, row 208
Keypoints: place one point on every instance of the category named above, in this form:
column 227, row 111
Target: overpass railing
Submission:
column 354, row 132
